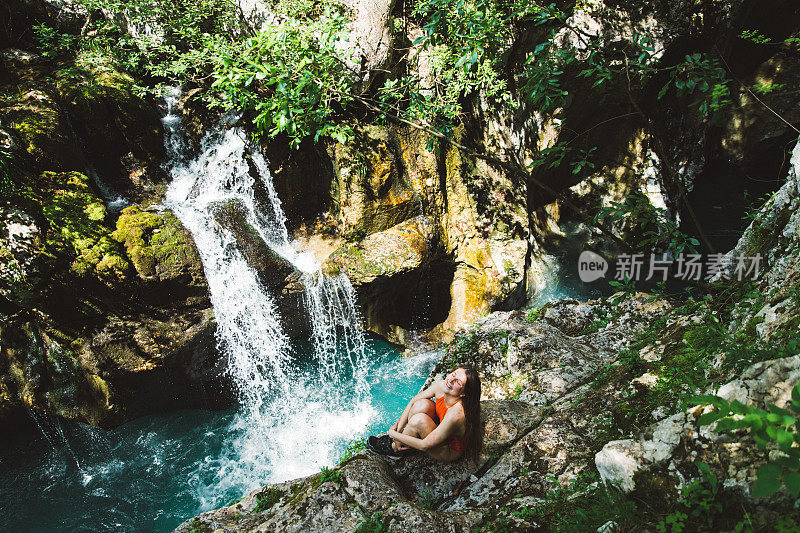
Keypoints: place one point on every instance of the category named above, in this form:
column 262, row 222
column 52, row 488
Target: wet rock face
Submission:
column 274, row 271
column 103, row 319
column 401, row 277
column 68, row 118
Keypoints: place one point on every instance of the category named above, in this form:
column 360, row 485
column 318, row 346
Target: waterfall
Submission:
column 291, row 420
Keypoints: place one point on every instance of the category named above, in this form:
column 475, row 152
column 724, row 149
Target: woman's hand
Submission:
column 399, row 445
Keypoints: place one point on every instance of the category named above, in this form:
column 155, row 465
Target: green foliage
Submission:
column 52, row 43
column 655, row 230
column 371, row 524
column 699, row 505
column 174, row 39
column 266, row 499
column 757, row 37
column 426, row 499
column 702, row 81
column 196, row 526
column 579, row 506
column 329, row 474
column 776, row 425
column 291, row 76
column 625, row 289
column 353, row 447
column 534, row 314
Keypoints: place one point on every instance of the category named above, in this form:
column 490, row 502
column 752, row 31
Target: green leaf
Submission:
column 700, row 399
column 792, row 482
column 769, row 470
column 784, row 438
column 789, row 463
column 779, row 411
column 754, row 421
column 764, row 487
column 739, row 408
column 772, row 432
column 709, row 418
column 760, row 441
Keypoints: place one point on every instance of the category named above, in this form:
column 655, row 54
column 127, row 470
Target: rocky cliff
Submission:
column 586, row 420
column 105, row 313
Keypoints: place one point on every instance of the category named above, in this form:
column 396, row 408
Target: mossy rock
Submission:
column 108, row 114
column 75, row 217
column 35, row 117
column 397, row 250
column 158, row 245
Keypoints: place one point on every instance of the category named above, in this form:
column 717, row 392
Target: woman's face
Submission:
column 455, row 382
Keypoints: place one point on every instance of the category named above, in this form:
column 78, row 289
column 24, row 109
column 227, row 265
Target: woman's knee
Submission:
column 422, row 422
column 422, row 406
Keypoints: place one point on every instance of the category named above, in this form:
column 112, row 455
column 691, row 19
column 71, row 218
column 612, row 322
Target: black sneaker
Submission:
column 382, row 445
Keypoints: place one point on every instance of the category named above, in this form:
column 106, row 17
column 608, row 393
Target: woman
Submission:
column 443, row 420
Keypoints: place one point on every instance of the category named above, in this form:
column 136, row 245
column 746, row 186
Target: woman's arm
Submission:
column 430, row 392
column 449, row 426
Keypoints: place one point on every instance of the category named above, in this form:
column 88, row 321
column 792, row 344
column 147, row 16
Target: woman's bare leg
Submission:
column 424, row 407
column 420, row 425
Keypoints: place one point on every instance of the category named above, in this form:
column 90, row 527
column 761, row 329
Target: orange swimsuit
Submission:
column 454, row 441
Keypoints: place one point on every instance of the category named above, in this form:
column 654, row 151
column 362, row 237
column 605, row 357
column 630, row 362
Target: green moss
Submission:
column 36, row 118
column 156, row 242
column 76, row 230
column 266, row 499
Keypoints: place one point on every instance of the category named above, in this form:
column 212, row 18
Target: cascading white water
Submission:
column 291, row 422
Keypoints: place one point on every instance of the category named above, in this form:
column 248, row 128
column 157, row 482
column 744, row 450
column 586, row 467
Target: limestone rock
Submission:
column 371, row 34
column 274, row 271
column 402, row 495
column 768, row 382
column 773, row 237
column 398, row 250
column 370, row 194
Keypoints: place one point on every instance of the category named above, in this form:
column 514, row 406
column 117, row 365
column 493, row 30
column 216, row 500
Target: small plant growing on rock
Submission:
column 353, row 447
column 777, row 425
column 329, row 474
column 698, row 502
column 371, row 524
column 534, row 314
column 266, row 499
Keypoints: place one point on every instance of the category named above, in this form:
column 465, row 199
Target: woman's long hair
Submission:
column 471, row 402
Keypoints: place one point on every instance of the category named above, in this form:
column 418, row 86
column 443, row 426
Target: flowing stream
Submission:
column 300, row 403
